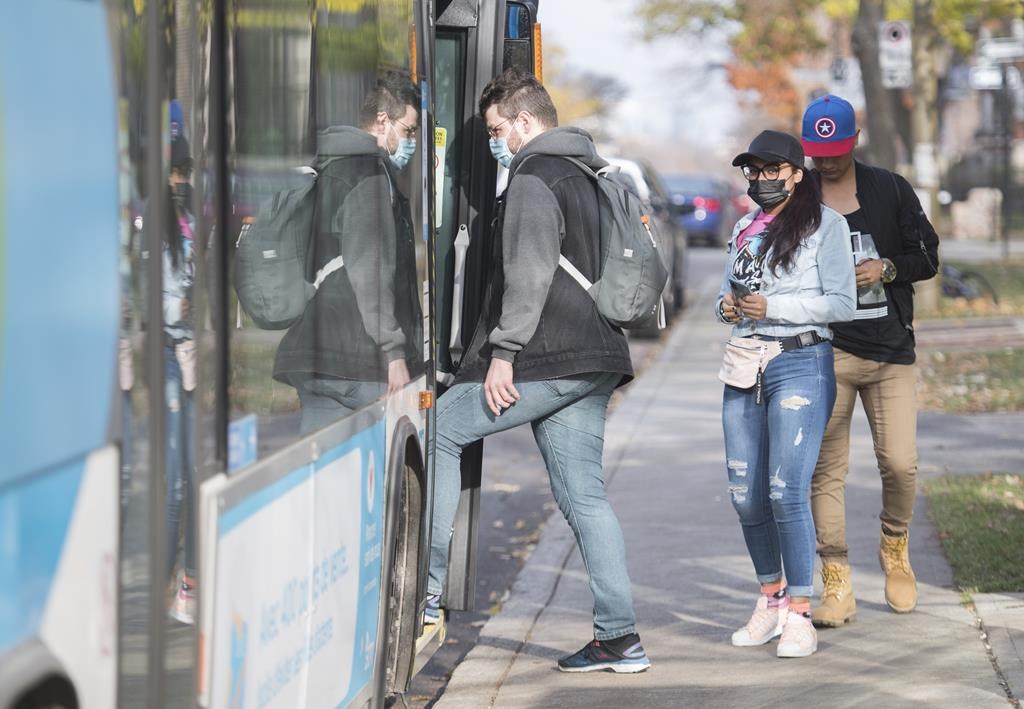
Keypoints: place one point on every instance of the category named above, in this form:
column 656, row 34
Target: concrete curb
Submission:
column 1003, row 617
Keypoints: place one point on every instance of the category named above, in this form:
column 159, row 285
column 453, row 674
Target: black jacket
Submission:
column 534, row 314
column 902, row 234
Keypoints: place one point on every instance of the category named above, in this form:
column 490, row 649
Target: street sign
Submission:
column 1001, row 49
column 989, row 77
column 895, row 55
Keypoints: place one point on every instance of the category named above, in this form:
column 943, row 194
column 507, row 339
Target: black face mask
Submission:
column 182, row 194
column 768, row 193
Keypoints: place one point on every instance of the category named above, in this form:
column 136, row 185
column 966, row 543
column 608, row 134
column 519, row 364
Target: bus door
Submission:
column 166, row 372
column 474, row 43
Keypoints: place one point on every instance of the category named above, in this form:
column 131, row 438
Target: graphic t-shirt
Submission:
column 748, row 266
column 875, row 332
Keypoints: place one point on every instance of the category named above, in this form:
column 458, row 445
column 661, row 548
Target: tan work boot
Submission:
column 900, row 582
column 837, row 603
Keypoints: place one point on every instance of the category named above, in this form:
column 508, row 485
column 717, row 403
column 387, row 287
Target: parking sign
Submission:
column 894, row 55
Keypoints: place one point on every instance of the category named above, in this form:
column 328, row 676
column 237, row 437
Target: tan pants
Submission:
column 887, row 392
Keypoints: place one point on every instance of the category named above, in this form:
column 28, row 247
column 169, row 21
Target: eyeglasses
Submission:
column 409, row 132
column 493, row 132
column 770, row 172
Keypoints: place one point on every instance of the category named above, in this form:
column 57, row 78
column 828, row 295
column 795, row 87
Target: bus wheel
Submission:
column 54, row 693
column 398, row 621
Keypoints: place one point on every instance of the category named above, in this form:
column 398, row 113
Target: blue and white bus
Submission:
column 176, row 529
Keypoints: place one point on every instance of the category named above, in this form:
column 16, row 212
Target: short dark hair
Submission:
column 393, row 92
column 514, row 91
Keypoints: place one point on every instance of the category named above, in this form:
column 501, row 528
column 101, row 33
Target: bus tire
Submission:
column 53, row 693
column 398, row 623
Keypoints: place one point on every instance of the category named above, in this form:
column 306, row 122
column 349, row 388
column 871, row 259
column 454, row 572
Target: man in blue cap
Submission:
column 894, row 245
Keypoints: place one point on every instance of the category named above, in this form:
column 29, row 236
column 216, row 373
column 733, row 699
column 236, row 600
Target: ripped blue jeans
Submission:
column 771, row 450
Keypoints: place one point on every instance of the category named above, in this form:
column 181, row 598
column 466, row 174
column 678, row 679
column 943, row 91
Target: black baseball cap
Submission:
column 772, row 146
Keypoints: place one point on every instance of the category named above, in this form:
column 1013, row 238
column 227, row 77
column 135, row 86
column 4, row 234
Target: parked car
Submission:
column 646, row 183
column 713, row 210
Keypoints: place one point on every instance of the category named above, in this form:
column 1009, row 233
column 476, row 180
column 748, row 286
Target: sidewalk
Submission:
column 693, row 582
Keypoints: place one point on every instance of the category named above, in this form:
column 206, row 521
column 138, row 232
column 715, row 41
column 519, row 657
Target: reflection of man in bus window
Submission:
column 180, row 374
column 360, row 336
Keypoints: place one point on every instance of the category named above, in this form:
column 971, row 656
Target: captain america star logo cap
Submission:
column 829, row 127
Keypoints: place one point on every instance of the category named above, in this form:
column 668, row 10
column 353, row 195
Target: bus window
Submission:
column 518, row 48
column 326, row 134
column 449, row 91
column 271, row 48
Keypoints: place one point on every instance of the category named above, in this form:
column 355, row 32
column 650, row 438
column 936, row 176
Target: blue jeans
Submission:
column 325, row 401
column 181, row 436
column 771, row 449
column 567, row 416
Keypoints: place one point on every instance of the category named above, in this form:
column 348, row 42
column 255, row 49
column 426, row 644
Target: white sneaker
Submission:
column 799, row 639
column 766, row 623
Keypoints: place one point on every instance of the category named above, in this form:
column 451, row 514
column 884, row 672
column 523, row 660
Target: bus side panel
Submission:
column 59, row 233
column 297, row 581
column 80, row 622
column 34, row 523
column 61, row 225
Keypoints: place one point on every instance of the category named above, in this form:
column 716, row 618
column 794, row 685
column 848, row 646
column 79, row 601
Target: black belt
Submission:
column 795, row 342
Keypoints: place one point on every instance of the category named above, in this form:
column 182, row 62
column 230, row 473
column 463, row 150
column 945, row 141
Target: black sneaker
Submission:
column 624, row 654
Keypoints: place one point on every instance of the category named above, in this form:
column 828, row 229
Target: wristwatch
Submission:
column 888, row 271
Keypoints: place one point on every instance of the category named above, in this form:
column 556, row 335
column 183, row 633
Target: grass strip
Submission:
column 980, row 521
column 970, row 382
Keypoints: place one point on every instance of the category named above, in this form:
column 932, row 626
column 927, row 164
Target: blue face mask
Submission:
column 500, row 150
column 403, row 153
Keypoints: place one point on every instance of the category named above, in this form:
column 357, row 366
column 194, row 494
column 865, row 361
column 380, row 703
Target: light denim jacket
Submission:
column 819, row 289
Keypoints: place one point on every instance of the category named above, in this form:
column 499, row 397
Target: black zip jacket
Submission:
column 367, row 313
column 902, row 234
column 534, row 314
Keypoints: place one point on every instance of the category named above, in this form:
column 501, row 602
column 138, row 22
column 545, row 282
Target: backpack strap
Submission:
column 917, row 224
column 574, row 272
column 330, row 267
column 896, row 188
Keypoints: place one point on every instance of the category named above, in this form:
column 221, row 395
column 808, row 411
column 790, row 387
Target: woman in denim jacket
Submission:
column 180, row 377
column 789, row 273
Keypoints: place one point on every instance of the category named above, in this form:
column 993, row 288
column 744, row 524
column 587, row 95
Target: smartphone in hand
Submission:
column 739, row 289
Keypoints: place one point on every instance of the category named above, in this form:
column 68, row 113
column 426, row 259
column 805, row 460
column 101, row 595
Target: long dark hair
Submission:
column 175, row 240
column 800, row 218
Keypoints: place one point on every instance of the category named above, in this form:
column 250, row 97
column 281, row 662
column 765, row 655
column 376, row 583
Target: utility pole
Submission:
column 1006, row 181
column 925, row 128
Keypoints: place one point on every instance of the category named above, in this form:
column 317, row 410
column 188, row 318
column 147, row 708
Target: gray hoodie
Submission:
column 533, row 232
column 534, row 314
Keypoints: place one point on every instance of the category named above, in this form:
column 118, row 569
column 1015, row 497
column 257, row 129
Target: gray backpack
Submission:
column 628, row 292
column 272, row 258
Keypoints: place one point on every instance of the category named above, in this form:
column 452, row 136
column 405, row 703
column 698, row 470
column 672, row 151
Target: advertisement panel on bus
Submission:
column 297, row 572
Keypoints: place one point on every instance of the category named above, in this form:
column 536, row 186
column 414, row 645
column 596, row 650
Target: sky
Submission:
column 679, row 94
